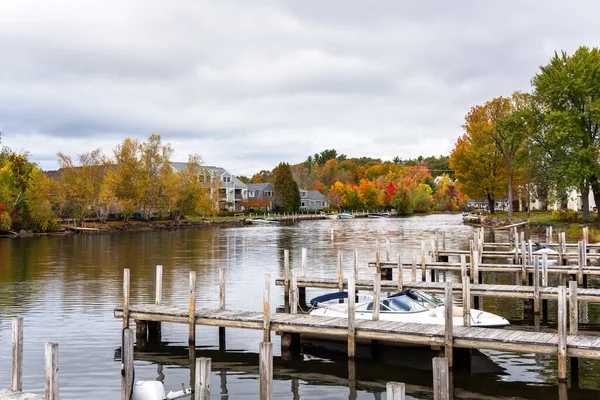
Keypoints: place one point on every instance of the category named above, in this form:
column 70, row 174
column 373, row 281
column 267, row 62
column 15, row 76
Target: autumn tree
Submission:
column 287, row 194
column 568, row 88
column 478, row 165
column 368, row 193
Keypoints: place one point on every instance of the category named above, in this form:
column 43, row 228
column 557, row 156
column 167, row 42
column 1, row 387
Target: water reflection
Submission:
column 66, row 287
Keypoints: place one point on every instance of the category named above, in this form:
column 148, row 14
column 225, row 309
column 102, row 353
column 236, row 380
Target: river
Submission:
column 66, row 288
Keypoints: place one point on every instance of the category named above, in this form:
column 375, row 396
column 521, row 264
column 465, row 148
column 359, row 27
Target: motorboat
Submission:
column 345, row 215
column 541, row 248
column 407, row 306
column 331, row 216
column 260, row 220
column 469, row 218
column 379, row 215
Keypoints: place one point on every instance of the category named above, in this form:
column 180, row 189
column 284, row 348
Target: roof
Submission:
column 259, row 186
column 182, row 166
column 315, row 195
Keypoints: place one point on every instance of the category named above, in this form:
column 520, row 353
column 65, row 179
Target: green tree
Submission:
column 287, row 194
column 568, row 88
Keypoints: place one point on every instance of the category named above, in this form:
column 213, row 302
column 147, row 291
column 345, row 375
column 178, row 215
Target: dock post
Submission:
column 466, row 292
column 340, row 273
column 303, row 265
column 51, row 367
column 202, row 381
column 16, row 381
column 586, row 236
column 523, row 264
column 400, row 277
column 221, row 306
column 266, row 371
column 286, row 277
column 413, row 273
column 267, row 310
column 448, row 308
column 562, row 334
column 423, row 270
column 441, row 384
column 545, row 284
column 192, row 310
column 573, row 308
column 126, row 298
column 387, row 249
column 395, row 391
column 579, row 263
column 563, row 249
column 127, row 360
column 355, row 252
column 351, row 318
column 294, row 294
column 536, row 286
column 475, row 272
column 154, row 327
column 376, row 296
column 433, row 259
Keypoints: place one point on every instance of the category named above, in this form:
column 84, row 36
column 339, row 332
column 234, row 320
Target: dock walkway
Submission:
column 6, row 394
column 486, row 267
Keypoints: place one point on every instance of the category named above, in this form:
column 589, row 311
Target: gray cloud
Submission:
column 248, row 84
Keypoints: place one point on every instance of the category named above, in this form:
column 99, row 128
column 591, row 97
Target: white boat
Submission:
column 407, row 306
column 379, row 215
column 331, row 216
column 260, row 220
column 345, row 215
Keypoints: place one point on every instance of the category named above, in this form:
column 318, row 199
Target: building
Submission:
column 260, row 195
column 312, row 200
column 231, row 191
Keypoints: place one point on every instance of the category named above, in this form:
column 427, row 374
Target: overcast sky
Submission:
column 247, row 84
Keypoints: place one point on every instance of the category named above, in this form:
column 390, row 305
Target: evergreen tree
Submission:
column 287, row 195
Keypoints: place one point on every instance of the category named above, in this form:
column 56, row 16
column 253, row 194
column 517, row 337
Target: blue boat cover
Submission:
column 343, row 295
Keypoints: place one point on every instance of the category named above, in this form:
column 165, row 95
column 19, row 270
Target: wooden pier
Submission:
column 292, row 326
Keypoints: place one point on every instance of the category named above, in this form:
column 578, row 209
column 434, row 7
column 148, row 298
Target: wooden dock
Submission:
column 483, row 290
column 6, row 394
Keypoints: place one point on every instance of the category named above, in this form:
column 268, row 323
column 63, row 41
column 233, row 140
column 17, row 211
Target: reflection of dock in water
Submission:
column 317, row 366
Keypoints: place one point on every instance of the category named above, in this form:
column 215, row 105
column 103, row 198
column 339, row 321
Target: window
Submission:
column 268, row 193
column 302, row 204
column 227, row 179
column 303, row 193
column 250, row 194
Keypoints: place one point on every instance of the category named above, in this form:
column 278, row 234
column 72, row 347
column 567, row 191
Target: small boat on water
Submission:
column 331, row 216
column 260, row 220
column 345, row 215
column 541, row 248
column 407, row 306
column 379, row 215
column 469, row 218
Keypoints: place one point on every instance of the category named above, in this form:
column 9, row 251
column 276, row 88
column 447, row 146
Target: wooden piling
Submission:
column 466, row 292
column 126, row 280
column 303, row 265
column 562, row 334
column 127, row 361
column 267, row 309
column 395, row 391
column 400, row 272
column 51, row 367
column 536, row 286
column 355, row 252
column 266, row 371
column 376, row 296
column 544, row 270
column 286, row 276
column 586, row 235
column 441, row 384
column 16, row 376
column 351, row 318
column 476, row 267
column 294, row 294
column 192, row 309
column 573, row 308
column 202, row 381
column 159, row 285
column 387, row 249
column 523, row 264
column 413, row 273
column 423, row 262
column 221, row 289
column 340, row 274
column 448, row 308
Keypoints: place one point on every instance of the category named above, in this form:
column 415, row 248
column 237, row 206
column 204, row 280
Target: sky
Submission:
column 248, row 84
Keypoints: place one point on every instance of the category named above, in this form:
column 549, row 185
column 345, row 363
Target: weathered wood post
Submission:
column 475, row 278
column 154, row 327
column 580, row 263
column 387, row 249
column 573, row 327
column 355, row 252
column 586, row 235
column 351, row 318
column 400, row 272
column 376, row 296
column 545, row 284
column 536, row 286
column 441, row 383
column 423, row 270
column 51, row 367
column 562, row 334
column 448, row 308
column 16, row 376
column 466, row 292
column 563, row 248
column 126, row 280
column 127, row 360
column 192, row 310
column 413, row 273
column 433, row 259
column 286, row 277
column 202, row 381
column 294, row 294
column 550, row 234
column 523, row 264
column 266, row 371
column 267, row 309
column 395, row 391
column 303, row 265
column 340, row 274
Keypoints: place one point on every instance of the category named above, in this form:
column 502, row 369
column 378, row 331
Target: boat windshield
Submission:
column 425, row 299
column 395, row 304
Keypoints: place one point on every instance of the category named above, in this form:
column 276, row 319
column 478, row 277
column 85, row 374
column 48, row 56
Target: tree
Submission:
column 478, row 165
column 568, row 88
column 369, row 194
column 505, row 120
column 287, row 194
